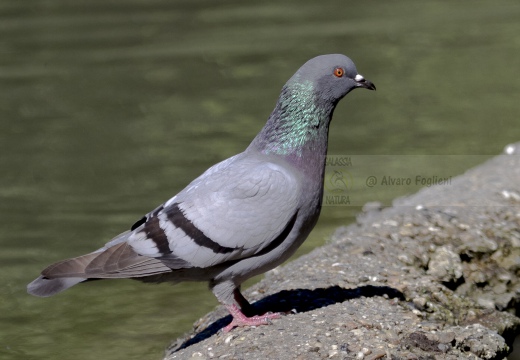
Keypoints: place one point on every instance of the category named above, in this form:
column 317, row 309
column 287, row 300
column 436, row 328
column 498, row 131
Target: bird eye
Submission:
column 338, row 72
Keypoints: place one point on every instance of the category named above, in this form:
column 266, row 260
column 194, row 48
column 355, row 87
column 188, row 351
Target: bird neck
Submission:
column 298, row 126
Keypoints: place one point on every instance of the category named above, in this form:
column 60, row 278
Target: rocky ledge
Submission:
column 435, row 276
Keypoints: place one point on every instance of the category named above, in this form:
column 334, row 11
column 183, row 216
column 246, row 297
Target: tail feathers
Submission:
column 74, row 267
column 118, row 261
column 44, row 287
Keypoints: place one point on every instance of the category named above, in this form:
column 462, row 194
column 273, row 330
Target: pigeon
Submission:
column 241, row 217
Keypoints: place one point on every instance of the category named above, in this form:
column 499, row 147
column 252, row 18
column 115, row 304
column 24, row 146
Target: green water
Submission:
column 108, row 108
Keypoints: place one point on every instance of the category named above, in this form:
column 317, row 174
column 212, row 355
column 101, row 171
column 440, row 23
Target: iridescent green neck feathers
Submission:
column 298, row 121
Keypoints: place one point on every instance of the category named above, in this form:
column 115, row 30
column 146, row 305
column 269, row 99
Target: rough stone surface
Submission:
column 435, row 276
column 445, row 264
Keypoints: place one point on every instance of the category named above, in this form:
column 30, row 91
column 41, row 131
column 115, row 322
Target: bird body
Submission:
column 242, row 216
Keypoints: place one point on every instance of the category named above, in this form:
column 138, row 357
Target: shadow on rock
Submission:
column 298, row 301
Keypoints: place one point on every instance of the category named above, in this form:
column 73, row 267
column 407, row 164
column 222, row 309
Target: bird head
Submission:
column 331, row 77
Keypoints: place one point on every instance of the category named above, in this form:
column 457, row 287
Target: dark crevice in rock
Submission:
column 454, row 284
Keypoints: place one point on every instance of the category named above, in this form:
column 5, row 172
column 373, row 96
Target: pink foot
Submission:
column 240, row 319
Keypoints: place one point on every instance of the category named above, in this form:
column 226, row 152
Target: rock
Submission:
column 486, row 302
column 446, row 337
column 445, row 265
column 481, row 341
column 420, row 303
column 474, row 243
column 504, row 301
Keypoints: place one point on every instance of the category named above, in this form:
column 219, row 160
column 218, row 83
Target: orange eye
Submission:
column 338, row 72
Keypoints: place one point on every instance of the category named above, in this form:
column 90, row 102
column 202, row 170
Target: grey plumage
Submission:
column 244, row 215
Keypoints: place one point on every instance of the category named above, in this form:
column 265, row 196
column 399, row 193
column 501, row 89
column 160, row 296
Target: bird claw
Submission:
column 239, row 319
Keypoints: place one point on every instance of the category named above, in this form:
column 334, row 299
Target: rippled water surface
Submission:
column 109, row 108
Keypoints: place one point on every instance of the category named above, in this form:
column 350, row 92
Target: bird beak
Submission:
column 364, row 83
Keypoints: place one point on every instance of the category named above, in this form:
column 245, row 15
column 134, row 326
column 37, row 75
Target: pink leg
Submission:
column 242, row 302
column 240, row 319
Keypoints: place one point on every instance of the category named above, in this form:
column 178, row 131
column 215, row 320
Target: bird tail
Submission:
column 45, row 287
column 116, row 260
